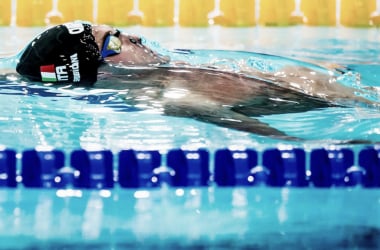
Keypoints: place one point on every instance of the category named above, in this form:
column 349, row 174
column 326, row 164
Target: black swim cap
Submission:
column 66, row 53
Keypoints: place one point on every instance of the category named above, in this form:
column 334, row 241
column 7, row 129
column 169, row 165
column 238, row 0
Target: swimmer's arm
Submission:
column 224, row 117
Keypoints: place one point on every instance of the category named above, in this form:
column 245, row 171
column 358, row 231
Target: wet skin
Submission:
column 223, row 98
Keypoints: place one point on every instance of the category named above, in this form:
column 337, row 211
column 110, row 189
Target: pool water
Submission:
column 202, row 218
column 69, row 118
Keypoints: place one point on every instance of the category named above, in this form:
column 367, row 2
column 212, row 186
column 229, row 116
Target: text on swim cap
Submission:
column 74, row 28
column 75, row 67
column 62, row 74
column 50, row 73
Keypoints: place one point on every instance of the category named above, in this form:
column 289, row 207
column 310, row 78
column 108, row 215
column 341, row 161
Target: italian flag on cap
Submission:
column 48, row 73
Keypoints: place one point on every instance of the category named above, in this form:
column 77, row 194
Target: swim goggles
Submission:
column 111, row 45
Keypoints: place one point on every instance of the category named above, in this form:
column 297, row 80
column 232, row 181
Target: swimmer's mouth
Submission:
column 163, row 59
column 149, row 49
column 158, row 59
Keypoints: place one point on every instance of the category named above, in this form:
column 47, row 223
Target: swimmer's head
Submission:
column 72, row 53
column 123, row 49
column 65, row 53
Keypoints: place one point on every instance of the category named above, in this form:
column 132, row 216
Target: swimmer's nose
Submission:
column 135, row 39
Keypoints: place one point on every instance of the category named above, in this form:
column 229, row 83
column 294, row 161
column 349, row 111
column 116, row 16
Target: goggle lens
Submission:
column 111, row 46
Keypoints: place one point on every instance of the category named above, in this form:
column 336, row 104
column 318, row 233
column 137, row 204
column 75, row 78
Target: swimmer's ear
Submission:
column 224, row 117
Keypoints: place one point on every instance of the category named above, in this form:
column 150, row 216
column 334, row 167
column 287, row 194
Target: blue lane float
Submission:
column 369, row 159
column 95, row 169
column 8, row 168
column 286, row 167
column 39, row 169
column 136, row 168
column 235, row 168
column 277, row 167
column 191, row 168
column 332, row 167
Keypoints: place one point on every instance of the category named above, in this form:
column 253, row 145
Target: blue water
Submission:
column 210, row 218
column 70, row 118
column 191, row 219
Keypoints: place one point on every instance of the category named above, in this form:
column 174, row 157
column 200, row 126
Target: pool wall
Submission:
column 193, row 13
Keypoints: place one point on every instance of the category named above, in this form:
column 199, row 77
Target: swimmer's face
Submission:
column 129, row 51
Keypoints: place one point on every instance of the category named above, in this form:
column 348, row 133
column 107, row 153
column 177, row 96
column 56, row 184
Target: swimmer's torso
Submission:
column 266, row 94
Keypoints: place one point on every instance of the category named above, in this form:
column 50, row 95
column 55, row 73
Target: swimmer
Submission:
column 101, row 56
